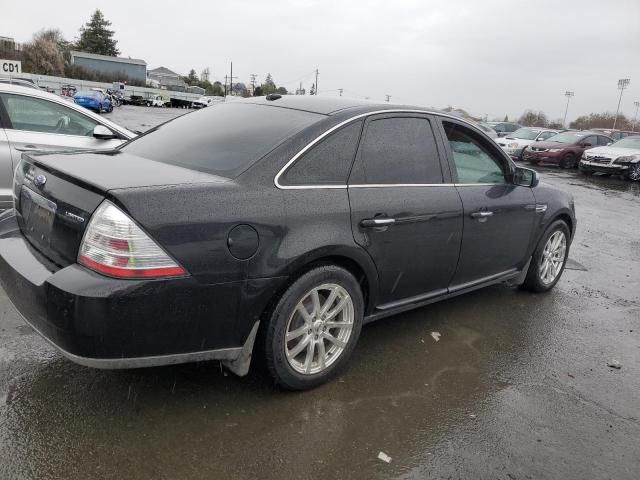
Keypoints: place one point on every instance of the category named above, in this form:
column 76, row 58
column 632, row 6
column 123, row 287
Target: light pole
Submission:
column 568, row 95
column 635, row 119
column 622, row 84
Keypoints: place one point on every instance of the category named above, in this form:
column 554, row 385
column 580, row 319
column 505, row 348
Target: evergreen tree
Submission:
column 95, row 36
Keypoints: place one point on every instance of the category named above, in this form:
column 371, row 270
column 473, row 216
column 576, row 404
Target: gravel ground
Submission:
column 517, row 387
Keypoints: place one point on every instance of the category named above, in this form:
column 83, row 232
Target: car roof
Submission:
column 335, row 105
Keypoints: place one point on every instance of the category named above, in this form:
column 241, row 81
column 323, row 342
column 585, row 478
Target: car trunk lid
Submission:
column 55, row 195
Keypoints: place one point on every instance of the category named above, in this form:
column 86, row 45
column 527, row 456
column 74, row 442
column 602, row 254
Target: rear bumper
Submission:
column 109, row 323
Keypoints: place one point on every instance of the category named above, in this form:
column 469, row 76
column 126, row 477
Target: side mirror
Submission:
column 526, row 177
column 103, row 133
column 609, row 144
column 539, row 139
column 586, row 144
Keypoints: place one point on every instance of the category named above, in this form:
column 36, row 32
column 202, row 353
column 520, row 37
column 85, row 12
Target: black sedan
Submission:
column 278, row 224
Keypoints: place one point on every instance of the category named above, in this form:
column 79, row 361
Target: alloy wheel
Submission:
column 553, row 257
column 634, row 172
column 319, row 329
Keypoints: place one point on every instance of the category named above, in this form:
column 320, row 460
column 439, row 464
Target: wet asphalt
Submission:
column 517, row 387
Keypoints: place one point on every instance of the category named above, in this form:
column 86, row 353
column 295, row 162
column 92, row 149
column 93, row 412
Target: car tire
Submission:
column 568, row 161
column 633, row 173
column 303, row 322
column 554, row 255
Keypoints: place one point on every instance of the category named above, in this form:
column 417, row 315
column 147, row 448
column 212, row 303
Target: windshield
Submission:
column 628, row 142
column 223, row 139
column 566, row 137
column 525, row 134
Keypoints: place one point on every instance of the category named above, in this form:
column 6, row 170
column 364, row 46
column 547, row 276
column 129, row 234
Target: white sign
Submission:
column 10, row 67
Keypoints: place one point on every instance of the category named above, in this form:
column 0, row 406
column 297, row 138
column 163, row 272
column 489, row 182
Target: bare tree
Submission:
column 43, row 54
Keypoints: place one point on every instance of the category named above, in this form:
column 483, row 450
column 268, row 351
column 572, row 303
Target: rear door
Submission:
column 404, row 209
column 498, row 215
column 39, row 124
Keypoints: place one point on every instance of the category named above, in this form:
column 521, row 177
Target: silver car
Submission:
column 36, row 120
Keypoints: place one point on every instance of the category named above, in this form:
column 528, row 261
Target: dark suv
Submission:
column 286, row 221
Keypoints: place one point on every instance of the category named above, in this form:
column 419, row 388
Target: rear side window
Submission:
column 400, row 150
column 223, row 139
column 327, row 163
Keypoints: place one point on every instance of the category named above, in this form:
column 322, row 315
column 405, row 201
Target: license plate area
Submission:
column 38, row 214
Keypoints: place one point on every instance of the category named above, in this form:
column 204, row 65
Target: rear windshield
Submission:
column 223, row 139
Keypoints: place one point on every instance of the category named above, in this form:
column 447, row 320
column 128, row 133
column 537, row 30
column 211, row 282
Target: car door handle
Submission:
column 377, row 222
column 481, row 215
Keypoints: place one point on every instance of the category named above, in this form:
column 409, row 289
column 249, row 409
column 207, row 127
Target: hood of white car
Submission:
column 505, row 141
column 611, row 152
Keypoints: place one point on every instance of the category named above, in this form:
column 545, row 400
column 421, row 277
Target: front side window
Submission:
column 39, row 115
column 474, row 162
column 591, row 141
column 545, row 135
column 398, row 150
column 327, row 163
column 603, row 140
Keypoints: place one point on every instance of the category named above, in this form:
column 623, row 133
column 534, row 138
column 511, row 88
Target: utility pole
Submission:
column 635, row 119
column 568, row 95
column 622, row 84
column 316, row 81
column 231, row 81
column 225, row 85
column 340, row 90
column 388, row 98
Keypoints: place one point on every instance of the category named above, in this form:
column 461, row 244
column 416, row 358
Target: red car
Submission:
column 564, row 149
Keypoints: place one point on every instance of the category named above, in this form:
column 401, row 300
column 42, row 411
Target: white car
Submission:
column 621, row 157
column 34, row 120
column 515, row 143
column 205, row 101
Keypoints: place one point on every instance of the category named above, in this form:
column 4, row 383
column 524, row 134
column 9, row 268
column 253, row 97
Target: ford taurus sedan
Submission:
column 280, row 225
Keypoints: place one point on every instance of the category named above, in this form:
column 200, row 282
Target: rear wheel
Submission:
column 568, row 161
column 633, row 173
column 549, row 258
column 314, row 328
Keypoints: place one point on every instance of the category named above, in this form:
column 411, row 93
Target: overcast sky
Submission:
column 490, row 57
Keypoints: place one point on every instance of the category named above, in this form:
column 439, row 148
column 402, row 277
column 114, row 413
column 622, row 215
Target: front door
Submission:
column 402, row 211
column 39, row 124
column 499, row 216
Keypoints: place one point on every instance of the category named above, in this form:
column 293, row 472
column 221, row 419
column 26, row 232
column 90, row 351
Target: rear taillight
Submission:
column 114, row 245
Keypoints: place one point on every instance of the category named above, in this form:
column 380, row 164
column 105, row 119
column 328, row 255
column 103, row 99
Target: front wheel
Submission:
column 314, row 328
column 549, row 258
column 633, row 173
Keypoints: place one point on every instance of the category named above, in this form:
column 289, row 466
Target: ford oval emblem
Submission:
column 39, row 181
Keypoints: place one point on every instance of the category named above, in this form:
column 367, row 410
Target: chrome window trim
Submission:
column 276, row 180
